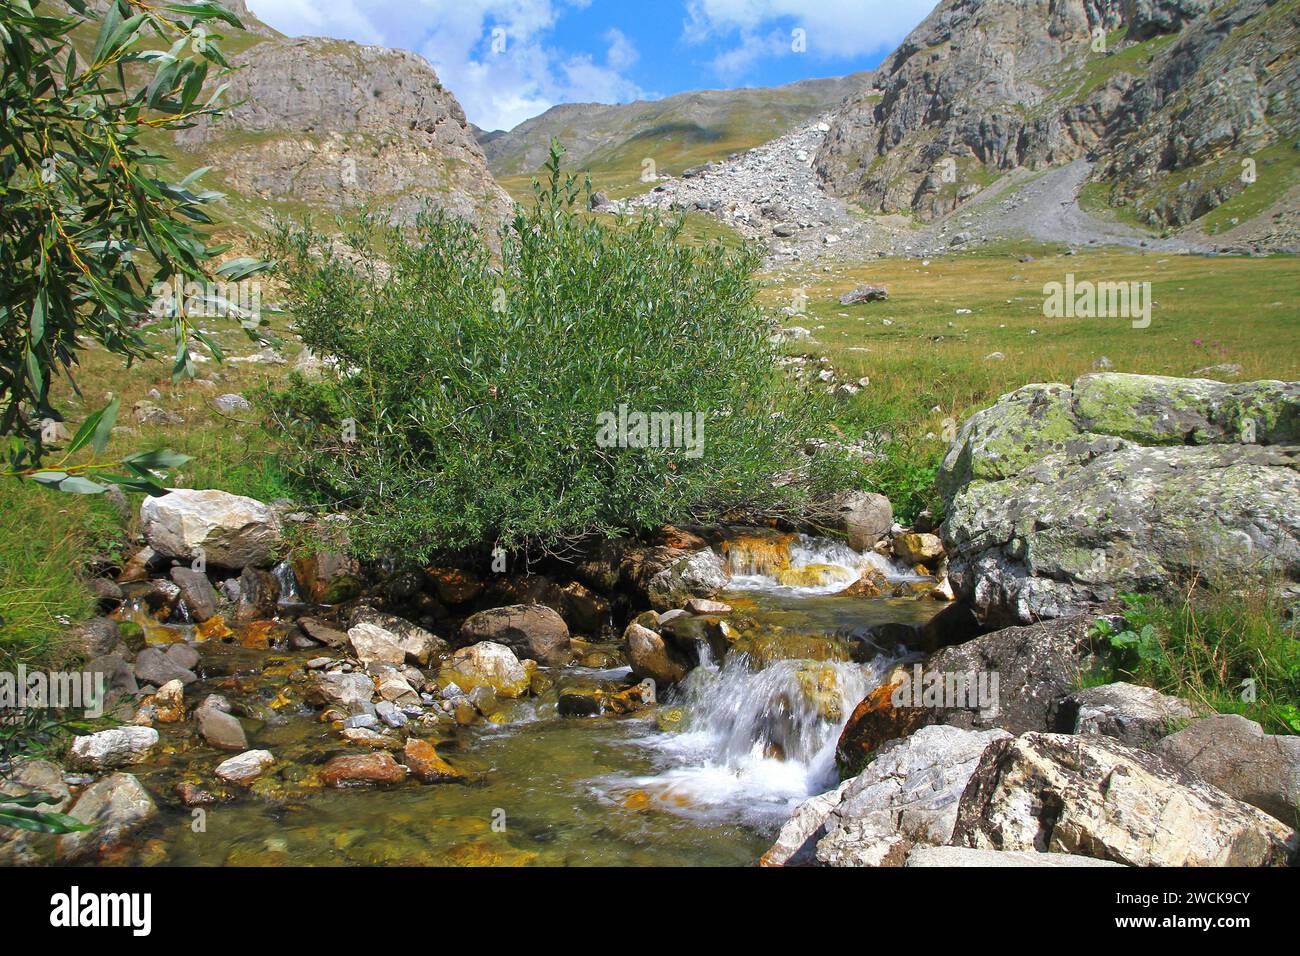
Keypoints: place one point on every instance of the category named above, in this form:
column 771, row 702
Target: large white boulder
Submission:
column 227, row 531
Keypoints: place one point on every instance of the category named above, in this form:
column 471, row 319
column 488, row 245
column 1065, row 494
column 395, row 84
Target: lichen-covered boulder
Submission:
column 1135, row 715
column 226, row 531
column 1063, row 497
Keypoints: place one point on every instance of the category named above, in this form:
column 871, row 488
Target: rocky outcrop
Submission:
column 964, row 857
column 342, row 126
column 1063, row 497
column 1234, row 754
column 1095, row 796
column 224, row 530
column 1173, row 101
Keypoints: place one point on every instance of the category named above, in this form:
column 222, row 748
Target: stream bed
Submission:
column 756, row 737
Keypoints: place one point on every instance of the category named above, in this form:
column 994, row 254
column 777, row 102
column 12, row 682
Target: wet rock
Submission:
column 372, row 643
column 327, row 577
column 596, row 700
column 915, row 549
column 388, row 712
column 107, row 593
column 487, row 664
column 1134, row 715
column 350, row 693
column 258, row 592
column 907, row 795
column 118, row 676
column 373, row 739
column 322, row 633
column 197, row 592
column 649, row 656
column 531, row 631
column 455, row 585
column 115, row 808
column 671, row 578
column 704, row 606
column 245, row 768
column 963, row 857
column 227, row 531
column 27, row 776
column 110, row 749
column 192, row 795
column 422, row 759
column 169, row 702
column 583, row 609
column 1234, row 754
column 871, row 584
column 1098, row 797
column 362, row 770
column 156, row 666
column 219, row 728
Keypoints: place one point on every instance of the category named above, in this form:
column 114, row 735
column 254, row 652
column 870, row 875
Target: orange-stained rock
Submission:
column 674, row 537
column 361, row 770
column 257, row 635
column 213, row 629
column 872, row 584
column 454, row 585
column 874, row 722
column 425, row 765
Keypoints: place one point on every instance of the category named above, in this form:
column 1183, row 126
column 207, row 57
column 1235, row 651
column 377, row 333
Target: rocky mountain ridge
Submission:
column 1168, row 96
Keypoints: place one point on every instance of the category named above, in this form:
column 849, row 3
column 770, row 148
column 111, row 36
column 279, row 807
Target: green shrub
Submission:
column 1231, row 651
column 463, row 386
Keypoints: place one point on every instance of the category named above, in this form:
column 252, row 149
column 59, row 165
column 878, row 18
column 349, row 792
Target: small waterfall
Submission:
column 757, row 741
column 288, row 582
column 800, row 563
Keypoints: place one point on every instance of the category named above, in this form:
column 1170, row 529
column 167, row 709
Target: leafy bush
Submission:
column 463, row 388
column 90, row 226
column 1229, row 650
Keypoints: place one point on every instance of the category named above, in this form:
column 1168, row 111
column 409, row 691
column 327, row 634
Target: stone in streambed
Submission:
column 114, row 807
column 362, row 770
column 650, row 656
column 110, row 749
column 422, row 759
column 219, row 728
column 245, row 768
column 487, row 664
column 197, row 592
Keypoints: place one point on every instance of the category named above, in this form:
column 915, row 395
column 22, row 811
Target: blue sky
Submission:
column 507, row 60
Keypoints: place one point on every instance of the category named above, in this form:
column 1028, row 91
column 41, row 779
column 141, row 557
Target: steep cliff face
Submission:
column 1153, row 89
column 335, row 125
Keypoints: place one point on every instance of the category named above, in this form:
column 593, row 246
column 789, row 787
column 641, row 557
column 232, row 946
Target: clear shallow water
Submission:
column 547, row 790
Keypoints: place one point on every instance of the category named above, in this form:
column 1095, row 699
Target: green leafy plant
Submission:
column 463, row 386
column 1230, row 650
column 90, row 226
column 34, row 732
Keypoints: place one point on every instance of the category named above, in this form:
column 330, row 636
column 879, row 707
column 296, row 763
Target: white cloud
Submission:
column 493, row 54
column 832, row 28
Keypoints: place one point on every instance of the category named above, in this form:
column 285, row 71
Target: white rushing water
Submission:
column 815, row 566
column 759, row 741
